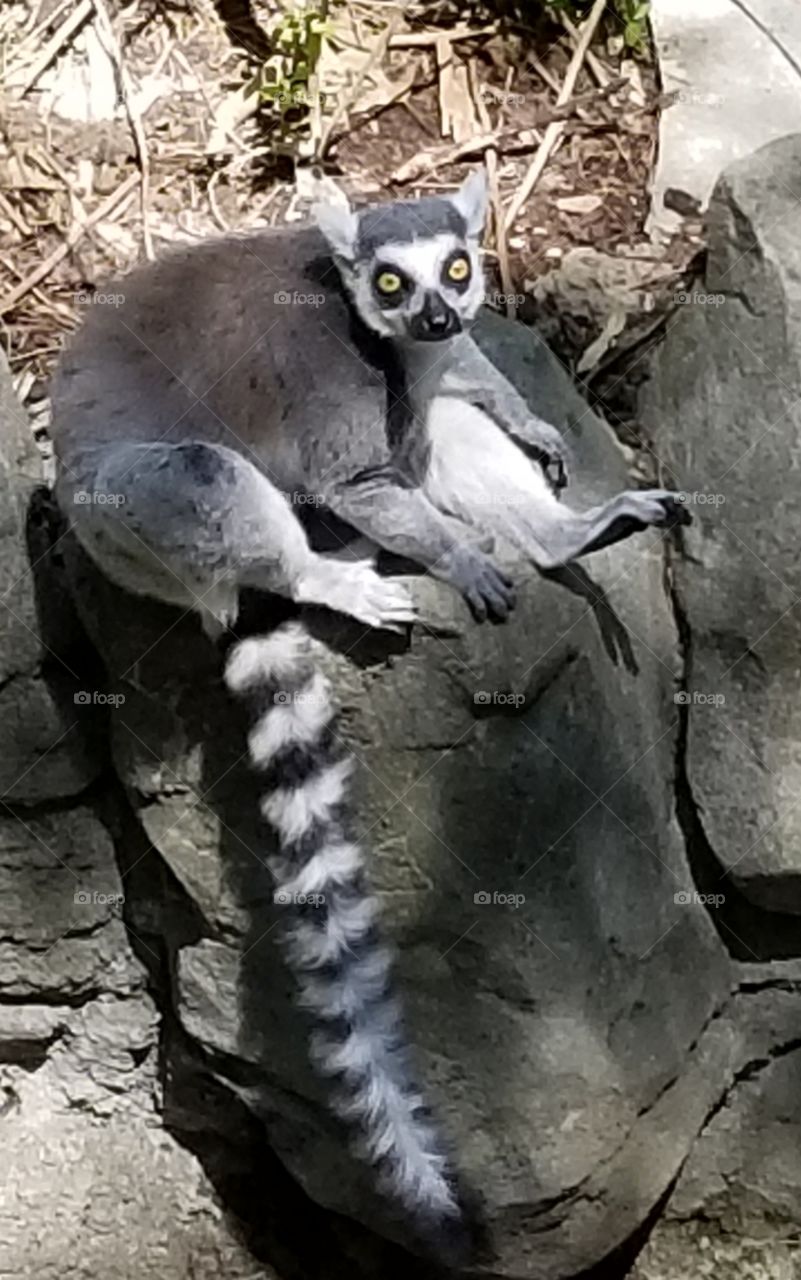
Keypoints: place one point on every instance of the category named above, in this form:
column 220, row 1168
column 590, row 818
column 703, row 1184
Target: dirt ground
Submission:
column 185, row 94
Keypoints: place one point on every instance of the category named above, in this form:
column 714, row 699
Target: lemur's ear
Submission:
column 340, row 225
column 471, row 201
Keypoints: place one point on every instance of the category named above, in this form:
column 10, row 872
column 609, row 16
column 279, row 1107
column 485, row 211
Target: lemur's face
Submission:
column 413, row 268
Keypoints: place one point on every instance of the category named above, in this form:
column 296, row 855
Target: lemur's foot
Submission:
column 488, row 592
column 357, row 589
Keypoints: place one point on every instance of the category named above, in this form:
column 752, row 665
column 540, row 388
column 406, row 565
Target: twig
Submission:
column 215, row 211
column 15, row 356
column 502, row 140
column 14, row 217
column 53, row 308
column 344, row 104
column 555, row 130
column 414, row 39
column 595, row 65
column 74, row 234
column 541, row 70
column 491, row 158
column 37, row 29
column 109, row 40
column 67, row 29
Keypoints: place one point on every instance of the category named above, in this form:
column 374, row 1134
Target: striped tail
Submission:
column 332, row 942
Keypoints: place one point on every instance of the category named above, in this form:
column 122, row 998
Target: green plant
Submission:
column 297, row 37
column 632, row 15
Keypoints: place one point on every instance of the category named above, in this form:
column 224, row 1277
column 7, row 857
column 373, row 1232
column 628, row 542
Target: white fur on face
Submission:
column 421, row 261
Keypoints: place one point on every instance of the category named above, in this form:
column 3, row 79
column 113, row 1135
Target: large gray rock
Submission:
column 91, row 1184
column 734, row 1211
column 724, row 407
column 39, row 720
column 570, row 1045
column 731, row 69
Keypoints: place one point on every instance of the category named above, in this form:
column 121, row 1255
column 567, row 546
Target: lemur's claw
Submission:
column 676, row 512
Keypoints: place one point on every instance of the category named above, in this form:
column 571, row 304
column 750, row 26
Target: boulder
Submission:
column 547, row 807
column 516, row 789
column 734, row 1211
column 38, row 717
column 724, row 410
column 92, row 1183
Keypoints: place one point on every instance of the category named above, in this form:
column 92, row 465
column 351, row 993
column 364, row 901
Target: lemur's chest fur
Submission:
column 473, row 467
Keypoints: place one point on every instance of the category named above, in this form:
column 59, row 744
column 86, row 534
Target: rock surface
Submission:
column 596, row 1057
column 586, row 991
column 734, row 70
column 91, row 1184
column 724, row 408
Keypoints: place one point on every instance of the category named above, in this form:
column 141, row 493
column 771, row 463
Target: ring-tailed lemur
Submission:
column 238, row 380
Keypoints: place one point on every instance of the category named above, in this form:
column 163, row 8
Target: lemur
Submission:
column 242, row 379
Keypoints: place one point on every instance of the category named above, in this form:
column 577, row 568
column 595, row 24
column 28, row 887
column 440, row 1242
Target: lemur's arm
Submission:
column 401, row 519
column 472, row 376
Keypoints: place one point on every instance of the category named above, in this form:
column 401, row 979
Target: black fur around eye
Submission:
column 457, row 271
column 390, row 285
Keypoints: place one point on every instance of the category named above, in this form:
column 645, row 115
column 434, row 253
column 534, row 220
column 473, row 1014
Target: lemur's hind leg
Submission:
column 192, row 523
column 477, row 473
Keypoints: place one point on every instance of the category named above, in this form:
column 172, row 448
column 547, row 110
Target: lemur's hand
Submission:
column 554, row 453
column 488, row 592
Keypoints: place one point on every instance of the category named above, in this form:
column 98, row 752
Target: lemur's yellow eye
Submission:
column 459, row 270
column 389, row 282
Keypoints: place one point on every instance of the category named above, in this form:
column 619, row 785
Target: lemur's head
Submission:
column 412, row 268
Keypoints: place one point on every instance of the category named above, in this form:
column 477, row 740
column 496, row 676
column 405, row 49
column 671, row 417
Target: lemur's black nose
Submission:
column 435, row 320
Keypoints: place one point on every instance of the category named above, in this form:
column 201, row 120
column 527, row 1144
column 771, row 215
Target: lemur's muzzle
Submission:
column 435, row 321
